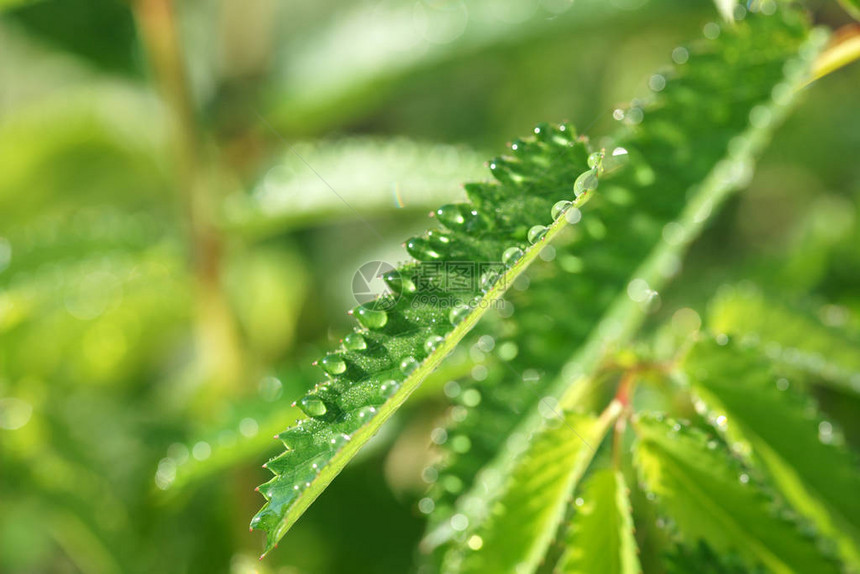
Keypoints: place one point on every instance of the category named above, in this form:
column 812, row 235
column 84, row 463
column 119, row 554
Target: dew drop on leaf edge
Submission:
column 371, row 318
column 511, row 255
column 312, row 406
column 354, row 342
column 536, row 233
column 333, row 364
column 587, row 181
column 559, row 208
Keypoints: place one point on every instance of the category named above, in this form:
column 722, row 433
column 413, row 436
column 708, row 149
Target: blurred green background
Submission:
column 187, row 188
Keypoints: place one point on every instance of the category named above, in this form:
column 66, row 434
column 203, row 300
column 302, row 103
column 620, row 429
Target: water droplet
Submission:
column 408, row 365
column 634, row 116
column 460, row 522
column 426, row 505
column 507, row 351
column 782, row 384
column 439, row 436
column 433, row 343
column 429, row 475
column 573, row 215
column 511, row 255
column 486, row 343
column 680, row 55
column 270, row 389
column 14, row 413
column 825, row 432
column 420, row 248
column 587, row 181
column 744, row 478
column 711, row 30
column 657, row 82
column 559, row 208
column 536, row 233
column 452, row 389
column 398, row 283
column 595, row 159
column 388, row 388
column 579, row 501
column 451, row 216
column 461, row 444
column 721, row 421
column 248, row 427
column 438, row 240
column 333, row 364
column 458, row 313
column 354, row 342
column 313, row 406
column 489, row 278
column 618, row 114
column 366, row 413
column 471, row 397
column 475, row 542
column 371, row 318
column 201, row 450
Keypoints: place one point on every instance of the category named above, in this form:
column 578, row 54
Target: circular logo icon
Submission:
column 368, row 287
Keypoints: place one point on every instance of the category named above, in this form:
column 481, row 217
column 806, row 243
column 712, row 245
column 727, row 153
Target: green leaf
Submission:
column 601, row 538
column 405, row 335
column 820, row 479
column 788, row 335
column 711, row 498
column 694, row 146
column 369, row 175
column 326, row 79
column 537, row 492
column 403, row 338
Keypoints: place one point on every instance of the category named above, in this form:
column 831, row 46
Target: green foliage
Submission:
column 712, row 498
column 519, row 532
column 764, row 416
column 788, row 335
column 522, row 472
column 601, row 531
column 615, row 275
column 404, row 336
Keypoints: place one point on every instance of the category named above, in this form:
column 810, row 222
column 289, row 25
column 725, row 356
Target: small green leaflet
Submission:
column 600, row 538
column 526, row 517
column 788, row 335
column 711, row 498
column 821, row 480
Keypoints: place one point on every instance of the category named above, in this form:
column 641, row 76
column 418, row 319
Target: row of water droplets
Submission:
column 455, row 217
column 305, row 436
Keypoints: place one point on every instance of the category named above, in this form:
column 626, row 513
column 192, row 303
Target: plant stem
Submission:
column 844, row 49
column 216, row 336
